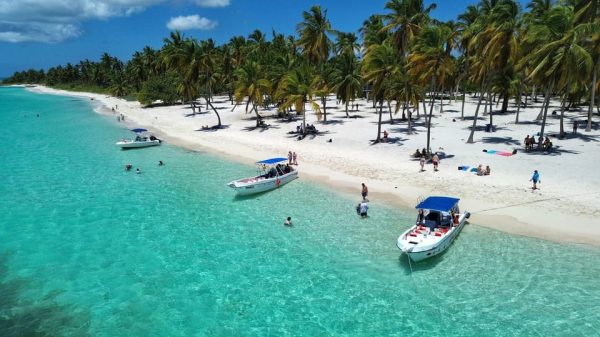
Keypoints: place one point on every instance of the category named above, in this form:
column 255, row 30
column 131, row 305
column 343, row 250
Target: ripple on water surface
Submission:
column 89, row 249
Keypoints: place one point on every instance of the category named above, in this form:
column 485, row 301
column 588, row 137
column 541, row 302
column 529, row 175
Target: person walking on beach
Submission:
column 290, row 162
column 536, row 179
column 365, row 191
column 295, row 158
column 574, row 127
column 435, row 160
column 422, row 163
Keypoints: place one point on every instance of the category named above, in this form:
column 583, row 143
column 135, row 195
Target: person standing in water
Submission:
column 288, row 221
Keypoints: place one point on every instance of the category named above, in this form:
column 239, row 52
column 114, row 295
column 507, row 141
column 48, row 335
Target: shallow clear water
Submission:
column 89, row 249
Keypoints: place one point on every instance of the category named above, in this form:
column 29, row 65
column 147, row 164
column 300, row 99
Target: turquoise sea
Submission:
column 87, row 249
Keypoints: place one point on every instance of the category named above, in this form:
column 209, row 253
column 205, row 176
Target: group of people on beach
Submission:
column 292, row 158
column 483, row 172
column 529, row 142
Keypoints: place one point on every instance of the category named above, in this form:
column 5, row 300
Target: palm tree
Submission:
column 347, row 43
column 252, row 84
column 406, row 19
column 380, row 62
column 346, row 79
column 296, row 89
column 323, row 85
column 562, row 58
column 314, row 40
column 430, row 63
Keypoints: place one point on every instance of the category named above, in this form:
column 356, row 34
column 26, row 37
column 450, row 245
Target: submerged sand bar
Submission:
column 566, row 208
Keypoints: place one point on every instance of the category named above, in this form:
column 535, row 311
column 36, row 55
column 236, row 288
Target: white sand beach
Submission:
column 565, row 208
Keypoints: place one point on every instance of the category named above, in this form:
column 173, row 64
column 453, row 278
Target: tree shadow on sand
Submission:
column 261, row 128
column 44, row 316
column 500, row 140
column 213, row 128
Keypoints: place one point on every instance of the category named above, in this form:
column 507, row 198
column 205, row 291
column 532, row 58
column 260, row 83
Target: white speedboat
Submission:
column 439, row 222
column 272, row 174
column 142, row 139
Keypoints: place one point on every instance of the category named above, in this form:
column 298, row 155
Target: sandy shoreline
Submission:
column 564, row 210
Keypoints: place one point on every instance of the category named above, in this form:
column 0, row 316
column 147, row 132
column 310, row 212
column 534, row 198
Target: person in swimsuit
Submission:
column 435, row 160
column 365, row 191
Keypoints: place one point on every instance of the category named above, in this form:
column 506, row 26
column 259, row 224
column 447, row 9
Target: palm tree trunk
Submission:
column 462, row 109
column 324, row 102
column 519, row 101
column 562, row 118
column 379, row 122
column 546, row 105
column 470, row 140
column 409, row 126
column 347, row 115
column 526, row 97
column 430, row 116
column 390, row 110
column 247, row 104
column 442, row 101
column 505, row 103
column 533, row 95
column 216, row 112
column 424, row 106
column 491, row 117
column 258, row 117
column 588, row 127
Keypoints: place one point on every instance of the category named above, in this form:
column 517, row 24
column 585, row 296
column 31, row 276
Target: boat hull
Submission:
column 418, row 253
column 255, row 185
column 137, row 145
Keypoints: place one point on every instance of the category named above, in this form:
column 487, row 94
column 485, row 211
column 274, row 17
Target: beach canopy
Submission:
column 272, row 161
column 138, row 130
column 441, row 204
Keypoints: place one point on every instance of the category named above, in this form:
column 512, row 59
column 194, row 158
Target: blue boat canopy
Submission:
column 138, row 130
column 441, row 204
column 272, row 161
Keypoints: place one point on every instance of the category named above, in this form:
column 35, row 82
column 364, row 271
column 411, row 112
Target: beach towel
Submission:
column 500, row 153
column 463, row 168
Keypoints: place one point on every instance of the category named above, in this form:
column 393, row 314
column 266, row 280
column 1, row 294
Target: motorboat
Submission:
column 142, row 139
column 439, row 222
column 272, row 174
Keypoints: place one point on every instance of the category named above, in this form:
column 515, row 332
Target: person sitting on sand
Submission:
column 487, row 171
column 546, row 142
column 479, row 170
column 424, row 152
column 385, row 136
column 418, row 154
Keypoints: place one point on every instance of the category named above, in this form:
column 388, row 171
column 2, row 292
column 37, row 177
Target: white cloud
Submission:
column 57, row 20
column 190, row 22
column 212, row 3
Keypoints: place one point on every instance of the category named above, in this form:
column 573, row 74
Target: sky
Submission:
column 43, row 33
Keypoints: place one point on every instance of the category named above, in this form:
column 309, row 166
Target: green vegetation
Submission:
column 404, row 59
